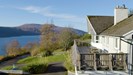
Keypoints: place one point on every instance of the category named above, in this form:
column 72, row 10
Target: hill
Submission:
column 29, row 29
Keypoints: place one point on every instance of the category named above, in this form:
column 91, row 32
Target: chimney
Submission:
column 120, row 13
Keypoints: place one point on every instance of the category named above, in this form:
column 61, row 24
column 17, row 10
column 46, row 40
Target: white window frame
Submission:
column 116, row 43
column 103, row 39
column 107, row 40
column 97, row 39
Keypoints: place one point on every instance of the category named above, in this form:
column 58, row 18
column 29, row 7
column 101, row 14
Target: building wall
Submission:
column 111, row 46
column 108, row 43
column 92, row 32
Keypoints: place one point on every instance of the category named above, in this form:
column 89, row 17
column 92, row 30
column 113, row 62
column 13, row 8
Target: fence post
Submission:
column 110, row 62
column 124, row 63
column 95, row 67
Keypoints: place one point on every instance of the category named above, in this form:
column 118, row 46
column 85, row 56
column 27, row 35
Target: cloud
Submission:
column 48, row 12
column 34, row 9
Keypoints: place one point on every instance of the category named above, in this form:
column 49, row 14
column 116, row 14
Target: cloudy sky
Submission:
column 65, row 13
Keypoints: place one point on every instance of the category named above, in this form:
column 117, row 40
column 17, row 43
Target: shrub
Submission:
column 35, row 68
column 68, row 63
column 1, row 57
column 35, row 51
column 46, row 53
column 13, row 48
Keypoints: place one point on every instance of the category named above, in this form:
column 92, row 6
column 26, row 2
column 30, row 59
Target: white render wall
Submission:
column 110, row 46
column 108, row 43
column 122, row 46
column 120, row 14
column 97, row 45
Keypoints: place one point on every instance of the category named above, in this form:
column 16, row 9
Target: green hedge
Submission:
column 35, row 68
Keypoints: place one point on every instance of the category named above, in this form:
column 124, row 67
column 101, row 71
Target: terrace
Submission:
column 89, row 60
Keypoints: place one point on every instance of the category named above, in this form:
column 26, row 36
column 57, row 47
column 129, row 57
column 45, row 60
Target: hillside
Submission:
column 29, row 29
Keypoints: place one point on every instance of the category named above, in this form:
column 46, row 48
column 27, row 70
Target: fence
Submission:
column 102, row 61
column 98, row 61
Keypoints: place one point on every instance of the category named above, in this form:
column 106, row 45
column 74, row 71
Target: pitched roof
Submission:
column 120, row 28
column 101, row 23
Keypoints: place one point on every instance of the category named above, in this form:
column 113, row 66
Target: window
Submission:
column 103, row 37
column 107, row 40
column 116, row 42
column 97, row 39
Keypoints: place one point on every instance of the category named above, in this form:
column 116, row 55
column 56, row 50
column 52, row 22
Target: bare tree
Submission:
column 29, row 46
column 66, row 38
column 13, row 48
column 48, row 37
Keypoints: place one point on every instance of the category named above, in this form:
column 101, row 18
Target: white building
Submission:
column 109, row 32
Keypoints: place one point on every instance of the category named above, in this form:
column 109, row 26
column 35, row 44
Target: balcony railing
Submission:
column 95, row 60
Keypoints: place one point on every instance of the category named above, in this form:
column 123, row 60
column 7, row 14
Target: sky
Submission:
column 64, row 13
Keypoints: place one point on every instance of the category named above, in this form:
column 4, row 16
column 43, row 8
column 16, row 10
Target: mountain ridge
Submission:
column 29, row 29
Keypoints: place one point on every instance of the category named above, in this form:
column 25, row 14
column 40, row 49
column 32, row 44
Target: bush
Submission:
column 35, row 68
column 46, row 53
column 1, row 57
column 68, row 63
column 35, row 51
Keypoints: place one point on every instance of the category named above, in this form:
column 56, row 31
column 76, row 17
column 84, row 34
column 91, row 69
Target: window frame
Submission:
column 116, row 43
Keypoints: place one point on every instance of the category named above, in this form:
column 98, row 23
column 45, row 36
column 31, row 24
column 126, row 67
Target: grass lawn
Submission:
column 48, row 59
column 7, row 68
column 64, row 57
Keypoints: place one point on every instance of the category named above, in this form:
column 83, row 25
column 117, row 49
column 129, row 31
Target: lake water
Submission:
column 23, row 40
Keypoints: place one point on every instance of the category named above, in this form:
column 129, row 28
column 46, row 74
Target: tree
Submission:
column 13, row 48
column 29, row 46
column 48, row 37
column 86, row 36
column 66, row 38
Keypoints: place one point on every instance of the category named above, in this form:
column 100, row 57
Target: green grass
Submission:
column 48, row 59
column 28, row 60
column 7, row 68
column 56, row 58
column 65, row 57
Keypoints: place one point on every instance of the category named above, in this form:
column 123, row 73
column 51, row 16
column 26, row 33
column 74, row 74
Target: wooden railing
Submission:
column 103, row 61
column 98, row 61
